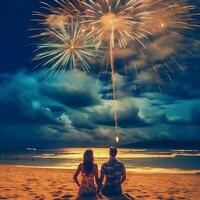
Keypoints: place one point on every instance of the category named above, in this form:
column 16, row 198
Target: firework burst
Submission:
column 117, row 19
column 67, row 47
column 170, row 23
column 52, row 15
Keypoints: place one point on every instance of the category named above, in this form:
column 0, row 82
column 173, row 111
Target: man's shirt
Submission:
column 113, row 169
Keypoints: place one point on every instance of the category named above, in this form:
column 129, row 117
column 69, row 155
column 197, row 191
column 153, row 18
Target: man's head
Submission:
column 113, row 152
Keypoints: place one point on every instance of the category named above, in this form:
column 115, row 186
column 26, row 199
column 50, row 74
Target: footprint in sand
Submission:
column 128, row 196
column 33, row 194
column 3, row 198
column 160, row 197
column 31, row 179
column 146, row 196
column 38, row 197
column 60, row 188
column 57, row 193
column 26, row 189
column 11, row 197
column 128, row 190
column 66, row 197
column 138, row 190
column 140, row 196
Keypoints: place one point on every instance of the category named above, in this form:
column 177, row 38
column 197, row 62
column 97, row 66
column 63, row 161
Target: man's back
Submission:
column 115, row 174
column 113, row 170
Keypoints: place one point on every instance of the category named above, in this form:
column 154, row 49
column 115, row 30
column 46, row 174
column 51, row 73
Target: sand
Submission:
column 57, row 184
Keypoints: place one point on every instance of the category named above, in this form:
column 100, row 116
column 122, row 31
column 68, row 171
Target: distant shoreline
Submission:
column 139, row 161
column 149, row 144
column 134, row 171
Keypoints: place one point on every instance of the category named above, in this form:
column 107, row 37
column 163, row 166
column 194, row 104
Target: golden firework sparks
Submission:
column 67, row 47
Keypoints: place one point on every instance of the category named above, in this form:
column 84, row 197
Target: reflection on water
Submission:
column 138, row 160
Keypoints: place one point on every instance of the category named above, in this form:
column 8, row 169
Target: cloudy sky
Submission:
column 75, row 108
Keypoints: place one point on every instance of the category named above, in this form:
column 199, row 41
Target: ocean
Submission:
column 136, row 160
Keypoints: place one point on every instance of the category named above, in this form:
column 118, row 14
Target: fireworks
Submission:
column 116, row 23
column 64, row 47
column 113, row 24
column 117, row 19
column 169, row 16
column 169, row 24
column 52, row 16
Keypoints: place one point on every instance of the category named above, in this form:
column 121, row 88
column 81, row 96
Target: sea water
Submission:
column 136, row 160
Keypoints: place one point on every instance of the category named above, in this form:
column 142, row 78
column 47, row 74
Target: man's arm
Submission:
column 101, row 178
column 123, row 174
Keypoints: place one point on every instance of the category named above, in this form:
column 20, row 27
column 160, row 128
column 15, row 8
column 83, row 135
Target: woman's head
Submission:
column 88, row 160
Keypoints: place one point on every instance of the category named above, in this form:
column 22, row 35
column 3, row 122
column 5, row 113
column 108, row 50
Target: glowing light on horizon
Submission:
column 117, row 139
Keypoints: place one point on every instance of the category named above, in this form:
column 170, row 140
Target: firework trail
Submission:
column 114, row 24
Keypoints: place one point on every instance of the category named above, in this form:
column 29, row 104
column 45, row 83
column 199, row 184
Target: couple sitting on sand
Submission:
column 113, row 171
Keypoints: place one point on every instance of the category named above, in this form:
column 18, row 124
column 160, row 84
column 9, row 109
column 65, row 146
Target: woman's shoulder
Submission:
column 80, row 165
column 95, row 165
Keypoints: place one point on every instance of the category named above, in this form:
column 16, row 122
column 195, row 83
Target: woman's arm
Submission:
column 76, row 175
column 101, row 178
column 96, row 174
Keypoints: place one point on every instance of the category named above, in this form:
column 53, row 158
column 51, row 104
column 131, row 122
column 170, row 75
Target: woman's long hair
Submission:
column 88, row 160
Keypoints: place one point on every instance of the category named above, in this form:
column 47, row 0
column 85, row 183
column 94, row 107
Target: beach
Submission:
column 31, row 183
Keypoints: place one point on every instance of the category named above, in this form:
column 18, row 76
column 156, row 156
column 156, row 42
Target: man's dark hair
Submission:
column 113, row 151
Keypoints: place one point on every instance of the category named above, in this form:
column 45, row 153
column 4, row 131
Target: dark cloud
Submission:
column 194, row 119
column 72, row 90
column 32, row 117
column 81, row 121
column 15, row 109
column 128, row 114
column 196, row 116
column 16, row 106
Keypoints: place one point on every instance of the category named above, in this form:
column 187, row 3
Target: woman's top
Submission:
column 87, row 183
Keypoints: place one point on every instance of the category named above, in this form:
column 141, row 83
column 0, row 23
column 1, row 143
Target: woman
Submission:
column 89, row 172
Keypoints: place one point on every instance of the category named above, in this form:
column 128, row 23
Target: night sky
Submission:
column 75, row 108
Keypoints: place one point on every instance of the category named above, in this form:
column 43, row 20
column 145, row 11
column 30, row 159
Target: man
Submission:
column 115, row 174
